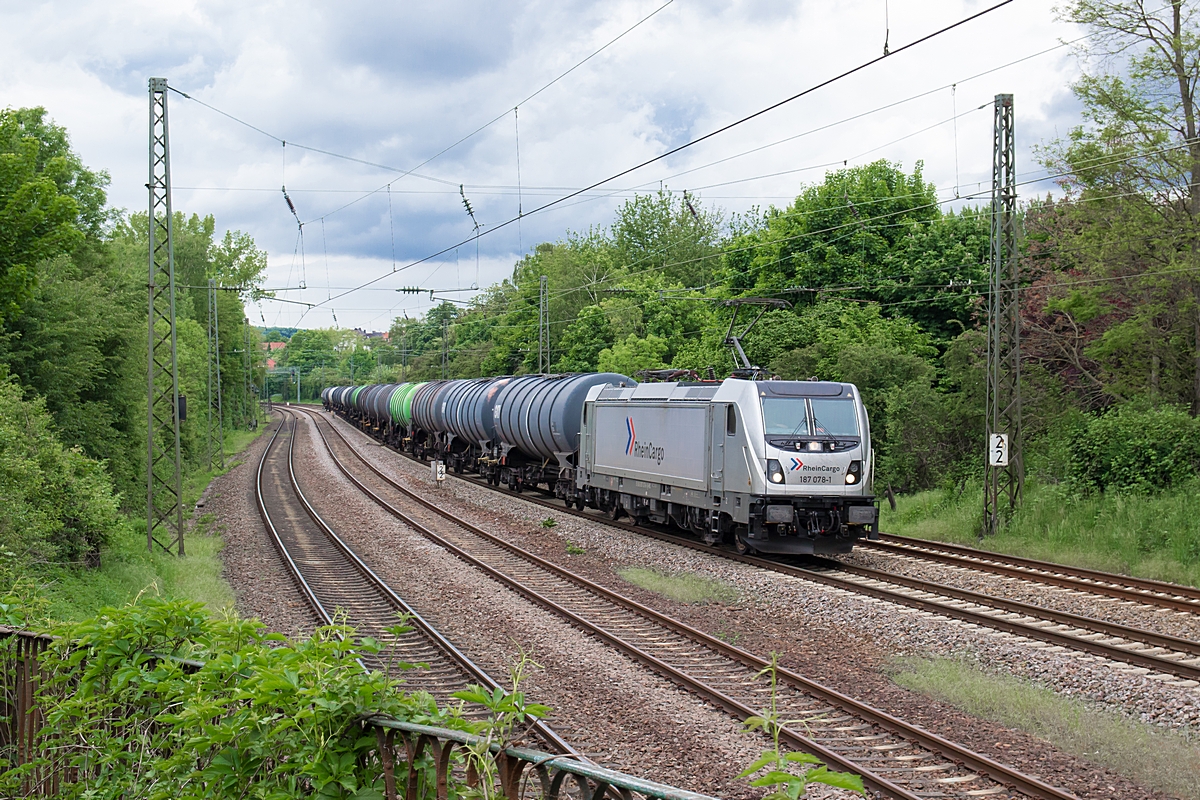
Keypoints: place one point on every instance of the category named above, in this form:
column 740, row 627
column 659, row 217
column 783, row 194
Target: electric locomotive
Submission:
column 776, row 466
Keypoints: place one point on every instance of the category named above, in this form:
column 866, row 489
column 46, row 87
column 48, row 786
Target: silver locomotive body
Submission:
column 778, row 466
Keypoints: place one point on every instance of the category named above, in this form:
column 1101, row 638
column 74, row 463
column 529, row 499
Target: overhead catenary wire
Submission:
column 452, row 186
column 718, row 131
column 1099, row 162
column 520, row 210
column 402, row 173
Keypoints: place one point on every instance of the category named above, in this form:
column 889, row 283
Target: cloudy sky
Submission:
column 396, row 84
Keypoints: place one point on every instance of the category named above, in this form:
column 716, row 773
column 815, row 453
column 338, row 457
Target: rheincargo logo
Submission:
column 642, row 449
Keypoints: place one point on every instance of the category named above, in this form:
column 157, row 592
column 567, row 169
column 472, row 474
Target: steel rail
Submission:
column 979, row 763
column 459, row 659
column 1056, row 638
column 1111, row 652
column 1138, row 590
column 1114, row 629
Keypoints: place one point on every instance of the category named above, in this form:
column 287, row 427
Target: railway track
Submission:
column 1140, row 649
column 335, row 581
column 895, row 759
column 1185, row 599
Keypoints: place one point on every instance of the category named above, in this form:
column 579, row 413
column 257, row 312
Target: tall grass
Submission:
column 685, row 587
column 1164, row 759
column 128, row 569
column 1148, row 535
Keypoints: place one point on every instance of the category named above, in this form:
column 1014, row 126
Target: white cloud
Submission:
column 395, row 85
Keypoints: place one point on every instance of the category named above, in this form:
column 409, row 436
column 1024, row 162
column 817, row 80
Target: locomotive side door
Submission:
column 716, row 473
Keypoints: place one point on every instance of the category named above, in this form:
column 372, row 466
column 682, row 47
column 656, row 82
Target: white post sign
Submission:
column 438, row 468
column 998, row 450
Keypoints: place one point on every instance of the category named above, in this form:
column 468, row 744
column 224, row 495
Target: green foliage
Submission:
column 584, row 340
column 838, row 233
column 511, row 715
column 1129, row 449
column 549, row 522
column 308, row 349
column 37, row 221
column 58, row 504
column 1149, row 535
column 80, row 344
column 261, row 717
column 633, row 354
column 781, row 774
column 55, row 160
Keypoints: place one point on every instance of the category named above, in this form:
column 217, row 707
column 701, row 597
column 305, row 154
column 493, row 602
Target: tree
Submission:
column 58, row 504
column 674, row 236
column 633, row 354
column 57, row 161
column 1133, row 173
column 583, row 341
column 308, row 349
column 37, row 222
column 836, row 235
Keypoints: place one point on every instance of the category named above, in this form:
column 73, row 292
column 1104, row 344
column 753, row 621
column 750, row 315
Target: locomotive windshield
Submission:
column 792, row 416
column 835, row 417
column 785, row 416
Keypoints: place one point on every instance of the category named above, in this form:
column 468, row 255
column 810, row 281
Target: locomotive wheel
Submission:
column 568, row 501
column 742, row 546
column 580, row 503
column 615, row 512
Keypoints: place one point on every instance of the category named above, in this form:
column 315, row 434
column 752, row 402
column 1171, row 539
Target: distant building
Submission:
column 372, row 334
column 271, row 361
column 271, row 347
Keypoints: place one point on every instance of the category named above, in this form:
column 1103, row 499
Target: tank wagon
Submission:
column 774, row 466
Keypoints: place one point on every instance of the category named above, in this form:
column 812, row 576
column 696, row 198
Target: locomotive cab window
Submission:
column 785, row 416
column 834, row 417
column 730, row 420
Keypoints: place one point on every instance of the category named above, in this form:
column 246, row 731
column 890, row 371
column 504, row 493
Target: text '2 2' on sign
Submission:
column 998, row 450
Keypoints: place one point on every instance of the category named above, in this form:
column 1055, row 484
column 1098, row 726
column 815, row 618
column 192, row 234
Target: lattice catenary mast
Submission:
column 544, row 325
column 164, row 494
column 1005, row 466
column 216, row 433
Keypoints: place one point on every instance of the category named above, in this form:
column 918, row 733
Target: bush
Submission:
column 1135, row 450
column 262, row 717
column 58, row 504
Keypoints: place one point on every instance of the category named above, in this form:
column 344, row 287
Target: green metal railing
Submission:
column 415, row 761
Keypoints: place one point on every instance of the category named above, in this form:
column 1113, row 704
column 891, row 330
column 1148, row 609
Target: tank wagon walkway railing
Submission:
column 414, row 761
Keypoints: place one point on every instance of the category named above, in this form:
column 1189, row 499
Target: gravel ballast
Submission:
column 841, row 639
column 616, row 711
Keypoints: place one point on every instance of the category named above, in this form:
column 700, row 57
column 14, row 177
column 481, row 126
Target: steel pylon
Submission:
column 164, row 489
column 1004, row 467
column 216, row 416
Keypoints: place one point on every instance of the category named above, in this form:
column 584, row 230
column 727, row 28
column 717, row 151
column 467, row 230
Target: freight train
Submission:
column 772, row 466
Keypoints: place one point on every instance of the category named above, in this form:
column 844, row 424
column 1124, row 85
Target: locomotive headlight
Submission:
column 854, row 473
column 774, row 471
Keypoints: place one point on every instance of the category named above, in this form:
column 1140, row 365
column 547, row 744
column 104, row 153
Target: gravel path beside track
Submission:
column 262, row 587
column 806, row 623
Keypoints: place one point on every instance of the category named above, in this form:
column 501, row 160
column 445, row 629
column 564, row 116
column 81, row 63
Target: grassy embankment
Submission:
column 128, row 570
column 1153, row 756
column 1151, row 536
